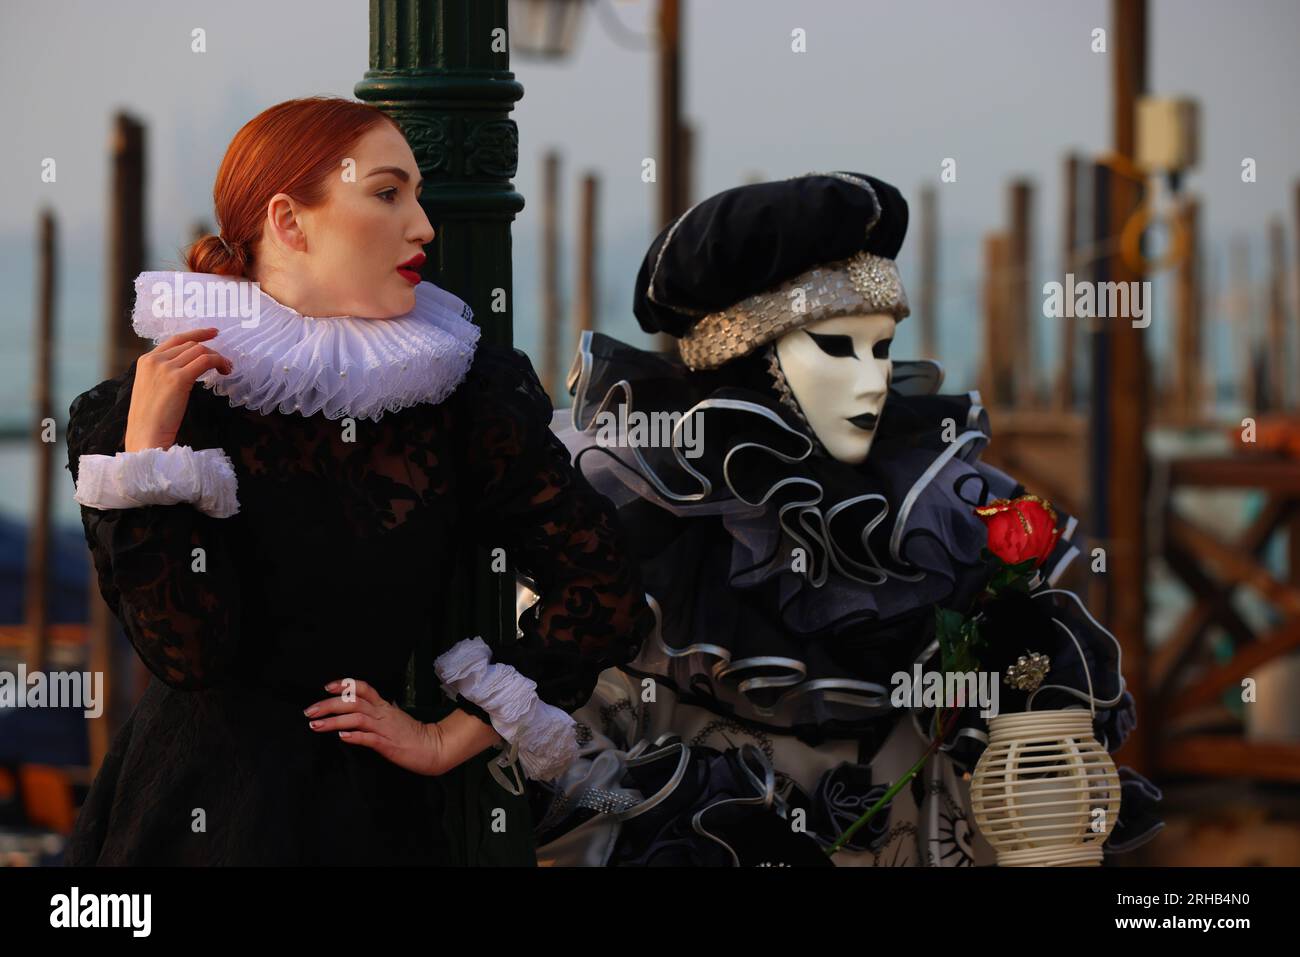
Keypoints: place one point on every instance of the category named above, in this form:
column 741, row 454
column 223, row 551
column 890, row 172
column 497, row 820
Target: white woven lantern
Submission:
column 1045, row 792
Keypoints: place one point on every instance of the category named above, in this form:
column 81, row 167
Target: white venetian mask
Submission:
column 839, row 371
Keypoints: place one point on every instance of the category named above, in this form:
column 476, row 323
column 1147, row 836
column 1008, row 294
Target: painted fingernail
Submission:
column 310, row 711
column 345, row 734
column 314, row 724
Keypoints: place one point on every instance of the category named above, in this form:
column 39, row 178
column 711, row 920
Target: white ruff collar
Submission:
column 341, row 365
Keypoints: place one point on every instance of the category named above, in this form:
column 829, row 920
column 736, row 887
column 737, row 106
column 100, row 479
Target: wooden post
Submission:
column 1293, row 527
column 38, row 532
column 550, row 331
column 126, row 260
column 1277, row 346
column 1068, row 335
column 669, row 165
column 1186, row 390
column 1129, row 381
column 125, row 241
column 686, row 162
column 1099, row 398
column 929, row 320
column 995, row 380
column 670, row 111
column 1240, row 313
column 1295, row 325
column 584, row 311
column 1023, row 320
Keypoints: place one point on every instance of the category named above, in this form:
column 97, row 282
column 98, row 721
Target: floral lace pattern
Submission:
column 336, row 565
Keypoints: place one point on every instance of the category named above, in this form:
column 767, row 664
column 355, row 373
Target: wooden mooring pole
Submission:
column 1280, row 368
column 1063, row 394
column 1128, row 384
column 126, row 260
column 550, row 331
column 1188, row 353
column 927, row 302
column 1023, row 313
column 995, row 377
column 36, row 599
column 584, row 306
column 671, row 198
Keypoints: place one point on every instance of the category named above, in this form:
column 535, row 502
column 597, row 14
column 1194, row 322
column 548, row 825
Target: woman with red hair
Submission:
column 274, row 497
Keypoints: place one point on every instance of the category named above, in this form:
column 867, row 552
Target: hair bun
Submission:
column 216, row 255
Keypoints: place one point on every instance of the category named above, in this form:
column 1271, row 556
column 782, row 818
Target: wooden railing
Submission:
column 1185, row 681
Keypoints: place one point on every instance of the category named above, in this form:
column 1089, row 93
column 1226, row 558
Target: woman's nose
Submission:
column 423, row 231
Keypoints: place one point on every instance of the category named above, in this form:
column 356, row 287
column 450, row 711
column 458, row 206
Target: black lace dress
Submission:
column 335, row 566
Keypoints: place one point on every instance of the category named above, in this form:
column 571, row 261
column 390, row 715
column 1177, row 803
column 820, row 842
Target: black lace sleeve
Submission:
column 592, row 613
column 182, row 622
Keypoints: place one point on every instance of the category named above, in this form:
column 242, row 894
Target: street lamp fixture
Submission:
column 545, row 29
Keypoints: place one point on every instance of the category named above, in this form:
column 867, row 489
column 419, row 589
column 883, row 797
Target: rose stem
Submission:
column 898, row 786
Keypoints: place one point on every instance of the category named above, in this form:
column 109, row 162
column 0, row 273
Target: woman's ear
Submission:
column 283, row 224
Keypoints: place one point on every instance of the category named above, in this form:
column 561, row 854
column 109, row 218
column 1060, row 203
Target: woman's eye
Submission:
column 881, row 349
column 838, row 346
column 389, row 195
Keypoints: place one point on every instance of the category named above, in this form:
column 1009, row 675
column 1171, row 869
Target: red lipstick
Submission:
column 409, row 270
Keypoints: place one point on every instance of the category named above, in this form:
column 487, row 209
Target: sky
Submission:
column 887, row 87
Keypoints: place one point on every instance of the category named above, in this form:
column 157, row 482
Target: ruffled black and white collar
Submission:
column 291, row 363
column 905, row 515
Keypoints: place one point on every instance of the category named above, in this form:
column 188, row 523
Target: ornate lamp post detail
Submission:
column 441, row 69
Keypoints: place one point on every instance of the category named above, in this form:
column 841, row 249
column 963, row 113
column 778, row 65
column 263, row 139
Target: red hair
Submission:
column 292, row 148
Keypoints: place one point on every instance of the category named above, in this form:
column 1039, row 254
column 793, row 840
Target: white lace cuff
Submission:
column 544, row 734
column 205, row 478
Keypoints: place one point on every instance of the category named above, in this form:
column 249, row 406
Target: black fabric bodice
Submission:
column 335, row 566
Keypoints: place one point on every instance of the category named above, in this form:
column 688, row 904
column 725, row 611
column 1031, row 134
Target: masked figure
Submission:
column 800, row 504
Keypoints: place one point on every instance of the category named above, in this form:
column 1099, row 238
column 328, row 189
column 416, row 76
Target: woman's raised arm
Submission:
column 157, row 522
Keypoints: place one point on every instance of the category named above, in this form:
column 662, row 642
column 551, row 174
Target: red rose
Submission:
column 1020, row 529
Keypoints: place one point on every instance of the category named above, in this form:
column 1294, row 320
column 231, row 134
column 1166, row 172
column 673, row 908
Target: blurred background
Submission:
column 1111, row 140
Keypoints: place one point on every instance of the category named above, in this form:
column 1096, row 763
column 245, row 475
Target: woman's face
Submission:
column 839, row 372
column 342, row 256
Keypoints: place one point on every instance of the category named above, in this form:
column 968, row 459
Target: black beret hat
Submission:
column 753, row 240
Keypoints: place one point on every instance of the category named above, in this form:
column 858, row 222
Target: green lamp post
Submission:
column 441, row 69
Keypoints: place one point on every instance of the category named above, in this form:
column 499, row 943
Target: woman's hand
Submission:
column 163, row 380
column 371, row 721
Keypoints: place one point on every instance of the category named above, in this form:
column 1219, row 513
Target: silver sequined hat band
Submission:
column 862, row 284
